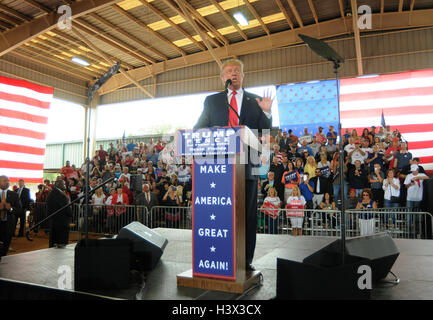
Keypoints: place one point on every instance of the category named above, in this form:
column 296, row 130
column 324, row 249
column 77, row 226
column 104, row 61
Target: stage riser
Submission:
column 11, row 290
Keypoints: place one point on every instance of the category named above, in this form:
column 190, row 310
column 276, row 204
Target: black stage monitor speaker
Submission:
column 322, row 275
column 379, row 248
column 147, row 245
column 102, row 264
column 328, row 280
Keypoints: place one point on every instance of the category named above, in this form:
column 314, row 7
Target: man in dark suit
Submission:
column 146, row 198
column 10, row 206
column 249, row 110
column 321, row 186
column 59, row 224
column 24, row 195
column 278, row 170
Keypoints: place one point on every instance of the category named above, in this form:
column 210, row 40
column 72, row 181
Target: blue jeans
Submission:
column 413, row 205
column 336, row 192
column 389, row 204
column 272, row 225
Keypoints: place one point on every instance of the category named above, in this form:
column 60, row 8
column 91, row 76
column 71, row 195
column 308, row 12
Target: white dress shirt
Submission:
column 239, row 96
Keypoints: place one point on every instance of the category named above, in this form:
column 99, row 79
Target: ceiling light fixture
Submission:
column 239, row 16
column 80, row 61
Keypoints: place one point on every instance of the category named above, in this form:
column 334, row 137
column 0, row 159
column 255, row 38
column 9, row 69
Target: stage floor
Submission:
column 414, row 268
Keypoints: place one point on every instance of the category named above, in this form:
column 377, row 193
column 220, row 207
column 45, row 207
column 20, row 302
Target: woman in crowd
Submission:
column 391, row 188
column 299, row 166
column 355, row 136
column 271, row 206
column 296, row 201
column 366, row 220
column 324, row 165
column 74, row 189
column 328, row 204
column 96, row 172
column 97, row 203
column 290, row 180
column 171, row 199
column 366, row 135
column 310, row 167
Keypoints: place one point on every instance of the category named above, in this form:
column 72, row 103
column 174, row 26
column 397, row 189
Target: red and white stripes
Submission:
column 24, row 109
column 406, row 100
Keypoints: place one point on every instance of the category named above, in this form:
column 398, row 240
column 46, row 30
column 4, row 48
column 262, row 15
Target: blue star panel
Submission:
column 310, row 105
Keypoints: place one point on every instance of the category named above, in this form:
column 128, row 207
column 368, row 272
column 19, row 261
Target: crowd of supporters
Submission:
column 299, row 173
column 141, row 178
column 135, row 166
column 379, row 171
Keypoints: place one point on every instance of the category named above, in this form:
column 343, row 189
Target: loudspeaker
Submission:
column 147, row 245
column 322, row 275
column 327, row 280
column 102, row 264
column 379, row 248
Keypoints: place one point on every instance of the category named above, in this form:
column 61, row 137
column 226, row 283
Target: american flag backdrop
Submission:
column 405, row 99
column 24, row 108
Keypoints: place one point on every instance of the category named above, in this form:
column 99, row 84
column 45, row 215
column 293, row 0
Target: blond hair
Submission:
column 275, row 190
column 232, row 62
column 296, row 188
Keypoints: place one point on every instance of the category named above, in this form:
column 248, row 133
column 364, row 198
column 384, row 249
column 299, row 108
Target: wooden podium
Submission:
column 220, row 156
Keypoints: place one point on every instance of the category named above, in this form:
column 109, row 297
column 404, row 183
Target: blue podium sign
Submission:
column 213, row 223
column 208, row 141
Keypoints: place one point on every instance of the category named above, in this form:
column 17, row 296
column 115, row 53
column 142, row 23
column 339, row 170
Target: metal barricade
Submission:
column 107, row 219
column 398, row 222
column 170, row 217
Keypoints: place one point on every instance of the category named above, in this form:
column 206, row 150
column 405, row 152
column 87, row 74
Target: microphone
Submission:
column 228, row 82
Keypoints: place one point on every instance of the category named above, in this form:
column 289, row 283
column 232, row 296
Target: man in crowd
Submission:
column 293, row 139
column 320, row 136
column 321, row 186
column 304, row 147
column 332, row 135
column 276, row 153
column 278, row 170
column 357, row 177
column 25, row 199
column 357, row 154
column 284, row 142
column 403, row 157
column 66, row 170
column 247, row 109
column 103, row 155
column 414, row 185
column 376, row 157
column 9, row 206
column 59, row 224
column 306, row 137
column 147, row 199
column 315, row 146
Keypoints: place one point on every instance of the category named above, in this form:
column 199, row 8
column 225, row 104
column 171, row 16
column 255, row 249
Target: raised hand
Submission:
column 265, row 103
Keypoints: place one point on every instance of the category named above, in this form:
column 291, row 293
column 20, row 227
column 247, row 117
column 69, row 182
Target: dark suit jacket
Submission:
column 216, row 113
column 56, row 200
column 24, row 198
column 325, row 185
column 13, row 199
column 140, row 200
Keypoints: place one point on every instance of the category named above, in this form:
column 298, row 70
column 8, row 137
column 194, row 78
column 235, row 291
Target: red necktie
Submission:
column 233, row 118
